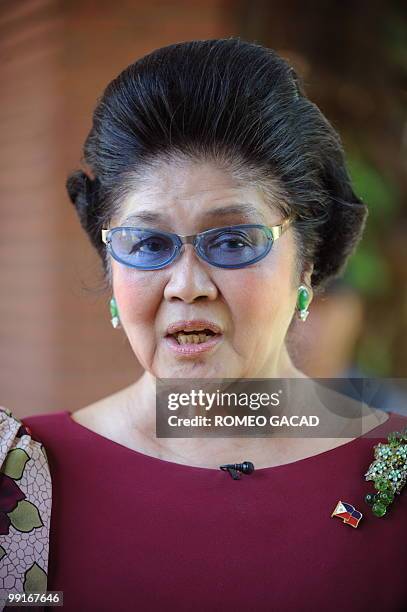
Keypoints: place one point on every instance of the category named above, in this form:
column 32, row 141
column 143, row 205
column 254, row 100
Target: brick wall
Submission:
column 57, row 348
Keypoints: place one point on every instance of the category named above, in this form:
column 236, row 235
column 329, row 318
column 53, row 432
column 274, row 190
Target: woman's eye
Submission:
column 149, row 245
column 153, row 244
column 233, row 241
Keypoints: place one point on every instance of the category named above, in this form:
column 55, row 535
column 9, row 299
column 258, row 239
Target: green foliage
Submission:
column 373, row 355
column 395, row 36
column 367, row 270
column 379, row 193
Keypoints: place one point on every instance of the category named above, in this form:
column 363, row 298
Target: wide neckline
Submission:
column 316, row 457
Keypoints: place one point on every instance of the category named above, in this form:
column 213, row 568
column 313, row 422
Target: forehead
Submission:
column 196, row 192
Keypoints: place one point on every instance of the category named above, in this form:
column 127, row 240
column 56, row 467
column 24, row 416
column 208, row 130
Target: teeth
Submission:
column 191, row 338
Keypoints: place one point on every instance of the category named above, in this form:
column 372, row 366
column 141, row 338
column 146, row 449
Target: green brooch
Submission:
column 388, row 471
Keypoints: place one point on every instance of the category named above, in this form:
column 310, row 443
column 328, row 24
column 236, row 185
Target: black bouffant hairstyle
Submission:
column 237, row 104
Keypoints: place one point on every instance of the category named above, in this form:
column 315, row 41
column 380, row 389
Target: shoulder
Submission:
column 51, row 432
column 45, row 427
column 387, row 423
column 394, row 422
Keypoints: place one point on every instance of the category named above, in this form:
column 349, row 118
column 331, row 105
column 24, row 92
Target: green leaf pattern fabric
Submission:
column 25, row 509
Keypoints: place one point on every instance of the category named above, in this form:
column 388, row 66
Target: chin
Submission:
column 198, row 368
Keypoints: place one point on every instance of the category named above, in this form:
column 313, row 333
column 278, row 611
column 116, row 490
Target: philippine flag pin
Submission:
column 347, row 513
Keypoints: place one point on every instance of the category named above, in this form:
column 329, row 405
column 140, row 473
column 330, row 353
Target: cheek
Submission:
column 136, row 296
column 261, row 299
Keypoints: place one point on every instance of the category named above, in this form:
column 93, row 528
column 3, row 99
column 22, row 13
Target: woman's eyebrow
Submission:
column 144, row 215
column 243, row 210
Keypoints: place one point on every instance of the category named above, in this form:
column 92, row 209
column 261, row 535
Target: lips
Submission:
column 190, row 351
column 198, row 325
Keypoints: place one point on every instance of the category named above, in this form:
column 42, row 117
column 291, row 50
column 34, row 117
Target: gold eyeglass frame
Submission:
column 276, row 232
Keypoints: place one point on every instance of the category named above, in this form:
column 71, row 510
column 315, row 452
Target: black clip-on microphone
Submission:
column 246, row 467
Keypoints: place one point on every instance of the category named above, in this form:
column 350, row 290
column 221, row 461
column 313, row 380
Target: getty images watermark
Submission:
column 299, row 407
column 218, row 399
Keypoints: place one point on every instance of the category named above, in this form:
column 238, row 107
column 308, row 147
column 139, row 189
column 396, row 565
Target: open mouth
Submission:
column 193, row 337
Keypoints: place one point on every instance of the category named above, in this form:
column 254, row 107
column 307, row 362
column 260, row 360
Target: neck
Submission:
column 141, row 419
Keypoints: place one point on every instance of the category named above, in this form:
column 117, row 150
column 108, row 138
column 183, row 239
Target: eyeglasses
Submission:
column 233, row 246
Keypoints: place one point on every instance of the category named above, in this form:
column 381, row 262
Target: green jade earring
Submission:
column 115, row 320
column 302, row 306
column 303, row 300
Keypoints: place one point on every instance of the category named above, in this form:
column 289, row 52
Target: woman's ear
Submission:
column 306, row 274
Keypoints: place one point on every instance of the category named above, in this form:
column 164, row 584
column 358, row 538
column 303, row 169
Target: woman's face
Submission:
column 253, row 306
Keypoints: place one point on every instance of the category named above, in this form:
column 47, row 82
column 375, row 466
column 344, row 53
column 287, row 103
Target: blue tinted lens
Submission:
column 141, row 248
column 235, row 246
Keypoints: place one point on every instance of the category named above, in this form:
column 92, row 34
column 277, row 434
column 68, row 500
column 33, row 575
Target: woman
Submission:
column 190, row 139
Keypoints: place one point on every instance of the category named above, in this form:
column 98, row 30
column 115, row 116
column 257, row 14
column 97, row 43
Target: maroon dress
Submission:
column 134, row 532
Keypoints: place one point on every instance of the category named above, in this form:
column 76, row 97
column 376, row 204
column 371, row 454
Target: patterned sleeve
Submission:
column 25, row 509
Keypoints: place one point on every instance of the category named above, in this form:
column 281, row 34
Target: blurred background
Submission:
column 58, row 350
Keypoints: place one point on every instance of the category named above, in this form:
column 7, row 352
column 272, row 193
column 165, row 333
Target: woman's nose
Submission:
column 189, row 277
